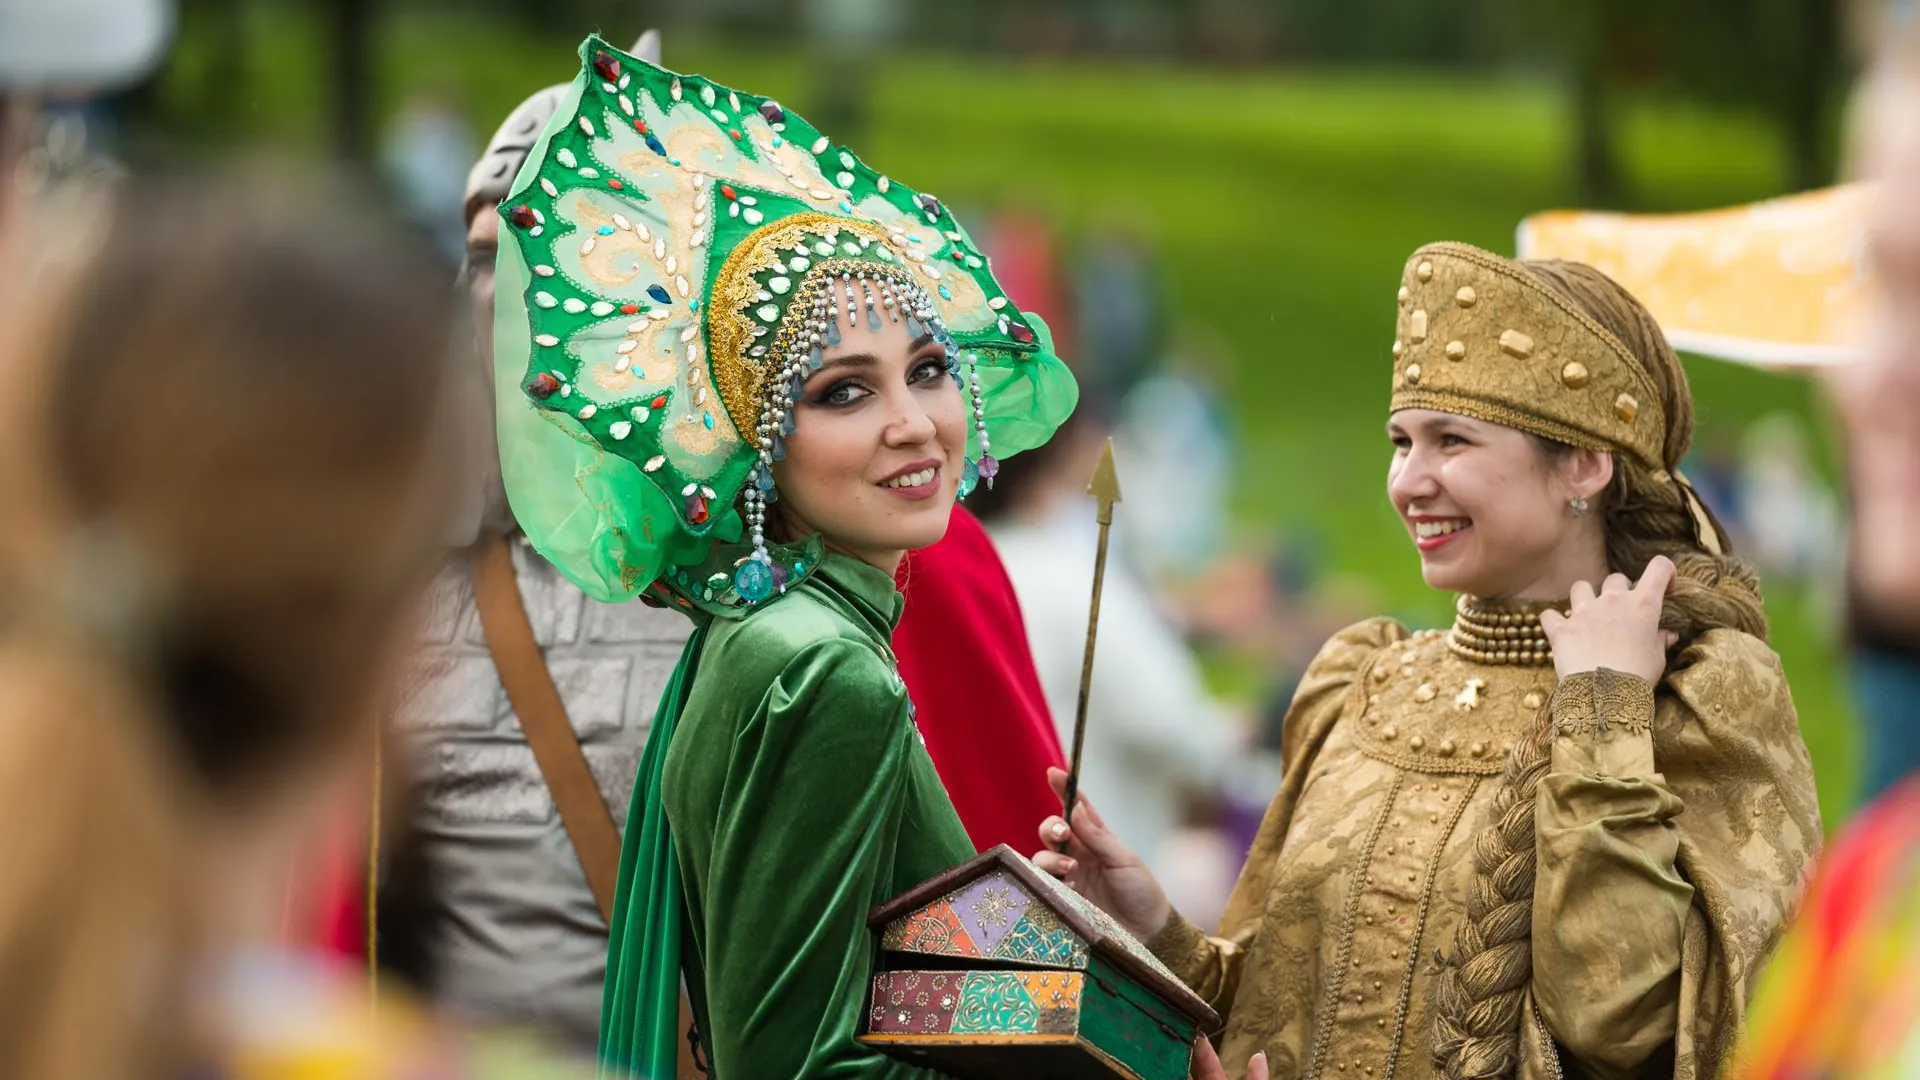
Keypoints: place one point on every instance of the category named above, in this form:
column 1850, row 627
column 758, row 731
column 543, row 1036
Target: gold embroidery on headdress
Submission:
column 1518, row 354
column 730, row 322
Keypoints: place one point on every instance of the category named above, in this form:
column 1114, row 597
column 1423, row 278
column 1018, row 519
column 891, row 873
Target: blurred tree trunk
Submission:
column 1596, row 165
column 350, row 32
column 1804, row 114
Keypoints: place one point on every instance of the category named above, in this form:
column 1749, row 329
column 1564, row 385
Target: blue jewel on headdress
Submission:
column 605, row 230
column 762, row 478
column 659, row 294
column 753, row 581
column 815, row 359
column 873, row 318
column 779, row 448
column 833, row 331
column 653, row 144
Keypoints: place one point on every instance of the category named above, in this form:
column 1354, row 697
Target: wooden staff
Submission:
column 1105, row 489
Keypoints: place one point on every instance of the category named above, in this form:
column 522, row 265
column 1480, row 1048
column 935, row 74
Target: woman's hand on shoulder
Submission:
column 1101, row 868
column 1617, row 627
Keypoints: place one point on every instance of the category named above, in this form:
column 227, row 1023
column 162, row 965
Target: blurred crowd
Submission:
column 223, row 479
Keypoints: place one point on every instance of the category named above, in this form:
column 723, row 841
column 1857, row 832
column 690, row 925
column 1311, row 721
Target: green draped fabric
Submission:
column 640, row 1006
column 800, row 795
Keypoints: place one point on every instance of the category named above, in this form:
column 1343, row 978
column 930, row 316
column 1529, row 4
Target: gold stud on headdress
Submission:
column 1466, row 297
column 1626, row 407
column 1574, row 375
column 1516, row 344
column 1456, row 350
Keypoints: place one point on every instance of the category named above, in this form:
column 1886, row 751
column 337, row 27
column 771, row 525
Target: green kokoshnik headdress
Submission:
column 676, row 253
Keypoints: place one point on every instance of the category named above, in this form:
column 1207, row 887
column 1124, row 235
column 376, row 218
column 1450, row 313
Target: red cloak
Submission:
column 962, row 646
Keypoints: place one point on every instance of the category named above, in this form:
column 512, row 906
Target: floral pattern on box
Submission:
column 975, row 1002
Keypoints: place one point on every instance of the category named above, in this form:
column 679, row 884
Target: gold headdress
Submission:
column 1480, row 336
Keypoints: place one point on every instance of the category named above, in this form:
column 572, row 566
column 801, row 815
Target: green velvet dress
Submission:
column 800, row 795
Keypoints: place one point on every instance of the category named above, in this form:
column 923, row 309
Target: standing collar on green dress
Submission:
column 870, row 589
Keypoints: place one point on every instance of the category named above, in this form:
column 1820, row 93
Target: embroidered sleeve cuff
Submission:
column 1603, row 724
column 1183, row 947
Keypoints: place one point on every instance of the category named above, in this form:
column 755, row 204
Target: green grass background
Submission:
column 1284, row 204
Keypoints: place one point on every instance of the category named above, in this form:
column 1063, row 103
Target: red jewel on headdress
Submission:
column 629, row 309
column 660, row 402
column 1021, row 334
column 959, row 256
column 727, row 190
column 616, row 185
column 735, row 132
column 697, row 509
column 543, row 385
column 640, row 126
column 522, row 215
column 606, row 66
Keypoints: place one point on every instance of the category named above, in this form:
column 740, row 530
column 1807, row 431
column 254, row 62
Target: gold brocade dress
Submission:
column 1675, row 826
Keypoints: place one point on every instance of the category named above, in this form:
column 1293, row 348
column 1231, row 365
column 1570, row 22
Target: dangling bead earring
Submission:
column 1579, row 505
column 988, row 466
column 756, row 578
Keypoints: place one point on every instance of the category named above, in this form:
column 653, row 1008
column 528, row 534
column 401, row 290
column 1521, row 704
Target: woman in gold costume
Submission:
column 1559, row 838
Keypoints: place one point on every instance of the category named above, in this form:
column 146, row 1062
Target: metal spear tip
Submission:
column 1105, row 485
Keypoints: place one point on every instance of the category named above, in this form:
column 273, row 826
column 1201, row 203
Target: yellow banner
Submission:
column 1781, row 283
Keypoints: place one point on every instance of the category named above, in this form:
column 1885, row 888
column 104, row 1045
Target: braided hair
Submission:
column 1482, row 986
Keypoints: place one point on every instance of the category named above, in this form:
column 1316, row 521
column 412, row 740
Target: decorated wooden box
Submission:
column 994, row 969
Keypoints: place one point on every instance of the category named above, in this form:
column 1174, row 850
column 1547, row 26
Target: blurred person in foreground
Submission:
column 1842, row 1000
column 1561, row 837
column 218, row 480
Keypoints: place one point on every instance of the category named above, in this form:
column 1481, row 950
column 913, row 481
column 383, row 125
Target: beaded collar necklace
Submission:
column 1490, row 632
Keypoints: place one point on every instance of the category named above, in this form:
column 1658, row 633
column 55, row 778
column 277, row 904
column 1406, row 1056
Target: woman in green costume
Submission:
column 740, row 373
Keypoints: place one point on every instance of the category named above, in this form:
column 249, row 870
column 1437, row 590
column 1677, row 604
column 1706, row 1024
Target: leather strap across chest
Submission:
column 543, row 717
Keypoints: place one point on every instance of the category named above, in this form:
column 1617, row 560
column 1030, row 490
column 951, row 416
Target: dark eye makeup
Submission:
column 848, row 391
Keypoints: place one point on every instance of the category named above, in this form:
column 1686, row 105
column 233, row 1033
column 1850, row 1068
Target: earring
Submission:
column 1580, row 505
